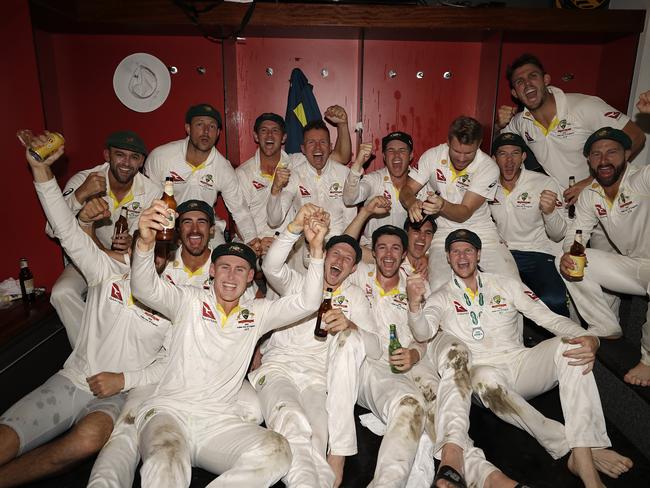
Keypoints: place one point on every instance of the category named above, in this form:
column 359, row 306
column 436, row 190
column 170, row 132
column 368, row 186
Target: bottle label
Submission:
column 171, row 219
column 579, row 262
column 29, row 286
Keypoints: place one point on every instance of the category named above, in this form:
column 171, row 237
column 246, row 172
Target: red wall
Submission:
column 21, row 104
column 257, row 92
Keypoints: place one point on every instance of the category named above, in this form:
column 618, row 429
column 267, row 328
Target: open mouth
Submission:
column 195, row 239
column 335, row 271
column 606, row 171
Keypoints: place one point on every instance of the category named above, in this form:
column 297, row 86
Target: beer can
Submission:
column 54, row 142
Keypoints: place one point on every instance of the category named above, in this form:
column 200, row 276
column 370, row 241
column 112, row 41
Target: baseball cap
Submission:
column 199, row 205
column 390, row 230
column 463, row 235
column 508, row 139
column 235, row 249
column 346, row 239
column 128, row 140
column 272, row 117
column 397, row 136
column 608, row 133
column 203, row 110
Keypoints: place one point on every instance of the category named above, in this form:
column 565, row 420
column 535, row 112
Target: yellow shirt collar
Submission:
column 394, row 291
column 120, row 203
column 456, row 174
column 225, row 316
column 196, row 168
column 554, row 123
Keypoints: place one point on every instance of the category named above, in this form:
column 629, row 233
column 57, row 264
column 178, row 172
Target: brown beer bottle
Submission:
column 572, row 208
column 26, row 279
column 324, row 307
column 577, row 254
column 167, row 233
column 122, row 225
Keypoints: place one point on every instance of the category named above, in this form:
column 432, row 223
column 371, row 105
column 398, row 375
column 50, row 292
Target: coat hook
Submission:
column 447, row 75
column 392, row 73
column 201, row 70
column 269, row 71
column 419, row 75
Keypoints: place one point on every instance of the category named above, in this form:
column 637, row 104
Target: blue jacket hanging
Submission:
column 302, row 108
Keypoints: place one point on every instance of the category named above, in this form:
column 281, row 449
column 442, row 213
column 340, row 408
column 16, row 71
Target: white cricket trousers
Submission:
column 67, row 298
column 504, row 383
column 495, row 257
column 617, row 273
column 117, row 461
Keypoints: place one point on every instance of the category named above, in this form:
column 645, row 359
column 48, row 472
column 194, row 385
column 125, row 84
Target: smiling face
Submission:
column 509, row 159
column 204, row 132
column 462, row 155
column 232, row 275
column 389, row 254
column 269, row 137
column 340, row 262
column 316, row 147
column 194, row 231
column 529, row 86
column 397, row 157
column 463, row 259
column 420, row 240
column 123, row 164
column 607, row 161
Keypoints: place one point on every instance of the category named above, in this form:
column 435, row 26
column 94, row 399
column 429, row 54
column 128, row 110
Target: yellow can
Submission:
column 54, row 142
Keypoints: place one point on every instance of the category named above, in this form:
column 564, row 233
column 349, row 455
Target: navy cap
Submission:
column 235, row 249
column 393, row 231
column 608, row 133
column 397, row 136
column 128, row 140
column 198, row 205
column 203, row 110
column 463, row 235
column 272, row 117
column 346, row 239
column 508, row 139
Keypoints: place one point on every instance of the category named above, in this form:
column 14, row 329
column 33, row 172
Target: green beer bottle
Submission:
column 393, row 345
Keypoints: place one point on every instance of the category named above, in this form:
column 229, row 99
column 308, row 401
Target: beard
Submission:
column 609, row 181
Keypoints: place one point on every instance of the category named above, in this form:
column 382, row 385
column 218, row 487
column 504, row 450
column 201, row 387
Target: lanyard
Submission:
column 475, row 308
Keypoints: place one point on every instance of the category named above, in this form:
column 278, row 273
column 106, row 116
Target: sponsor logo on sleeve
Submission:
column 258, row 185
column 531, row 295
column 304, row 192
column 440, row 176
column 387, row 195
column 459, row 307
column 168, row 277
column 116, row 293
column 613, row 115
column 176, row 178
column 600, row 210
column 68, row 191
column 528, row 138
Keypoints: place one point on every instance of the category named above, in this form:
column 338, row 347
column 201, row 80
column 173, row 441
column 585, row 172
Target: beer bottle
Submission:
column 26, row 282
column 260, row 260
column 572, row 208
column 122, row 225
column 324, row 307
column 577, row 254
column 167, row 233
column 393, row 345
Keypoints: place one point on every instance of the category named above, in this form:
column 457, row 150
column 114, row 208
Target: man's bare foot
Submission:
column 497, row 479
column 639, row 375
column 581, row 464
column 452, row 455
column 611, row 463
column 337, row 463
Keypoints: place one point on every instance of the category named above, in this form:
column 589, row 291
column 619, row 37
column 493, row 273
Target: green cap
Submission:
column 128, row 140
column 199, row 206
column 235, row 249
column 508, row 139
column 463, row 235
column 608, row 133
column 203, row 110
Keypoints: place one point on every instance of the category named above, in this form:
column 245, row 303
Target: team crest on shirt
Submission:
column 600, row 210
column 524, row 200
column 258, row 186
column 116, row 293
column 625, row 204
column 463, row 181
column 459, row 308
column 245, row 319
column 531, row 295
column 498, row 302
column 207, row 313
column 336, row 190
column 207, row 181
column 340, row 302
column 400, row 301
column 528, row 138
column 440, row 176
column 176, row 178
column 613, row 115
column 304, row 192
column 563, row 129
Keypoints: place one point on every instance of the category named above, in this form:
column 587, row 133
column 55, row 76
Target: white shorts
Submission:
column 53, row 408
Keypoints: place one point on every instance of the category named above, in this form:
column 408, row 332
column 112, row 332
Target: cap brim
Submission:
column 141, row 82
